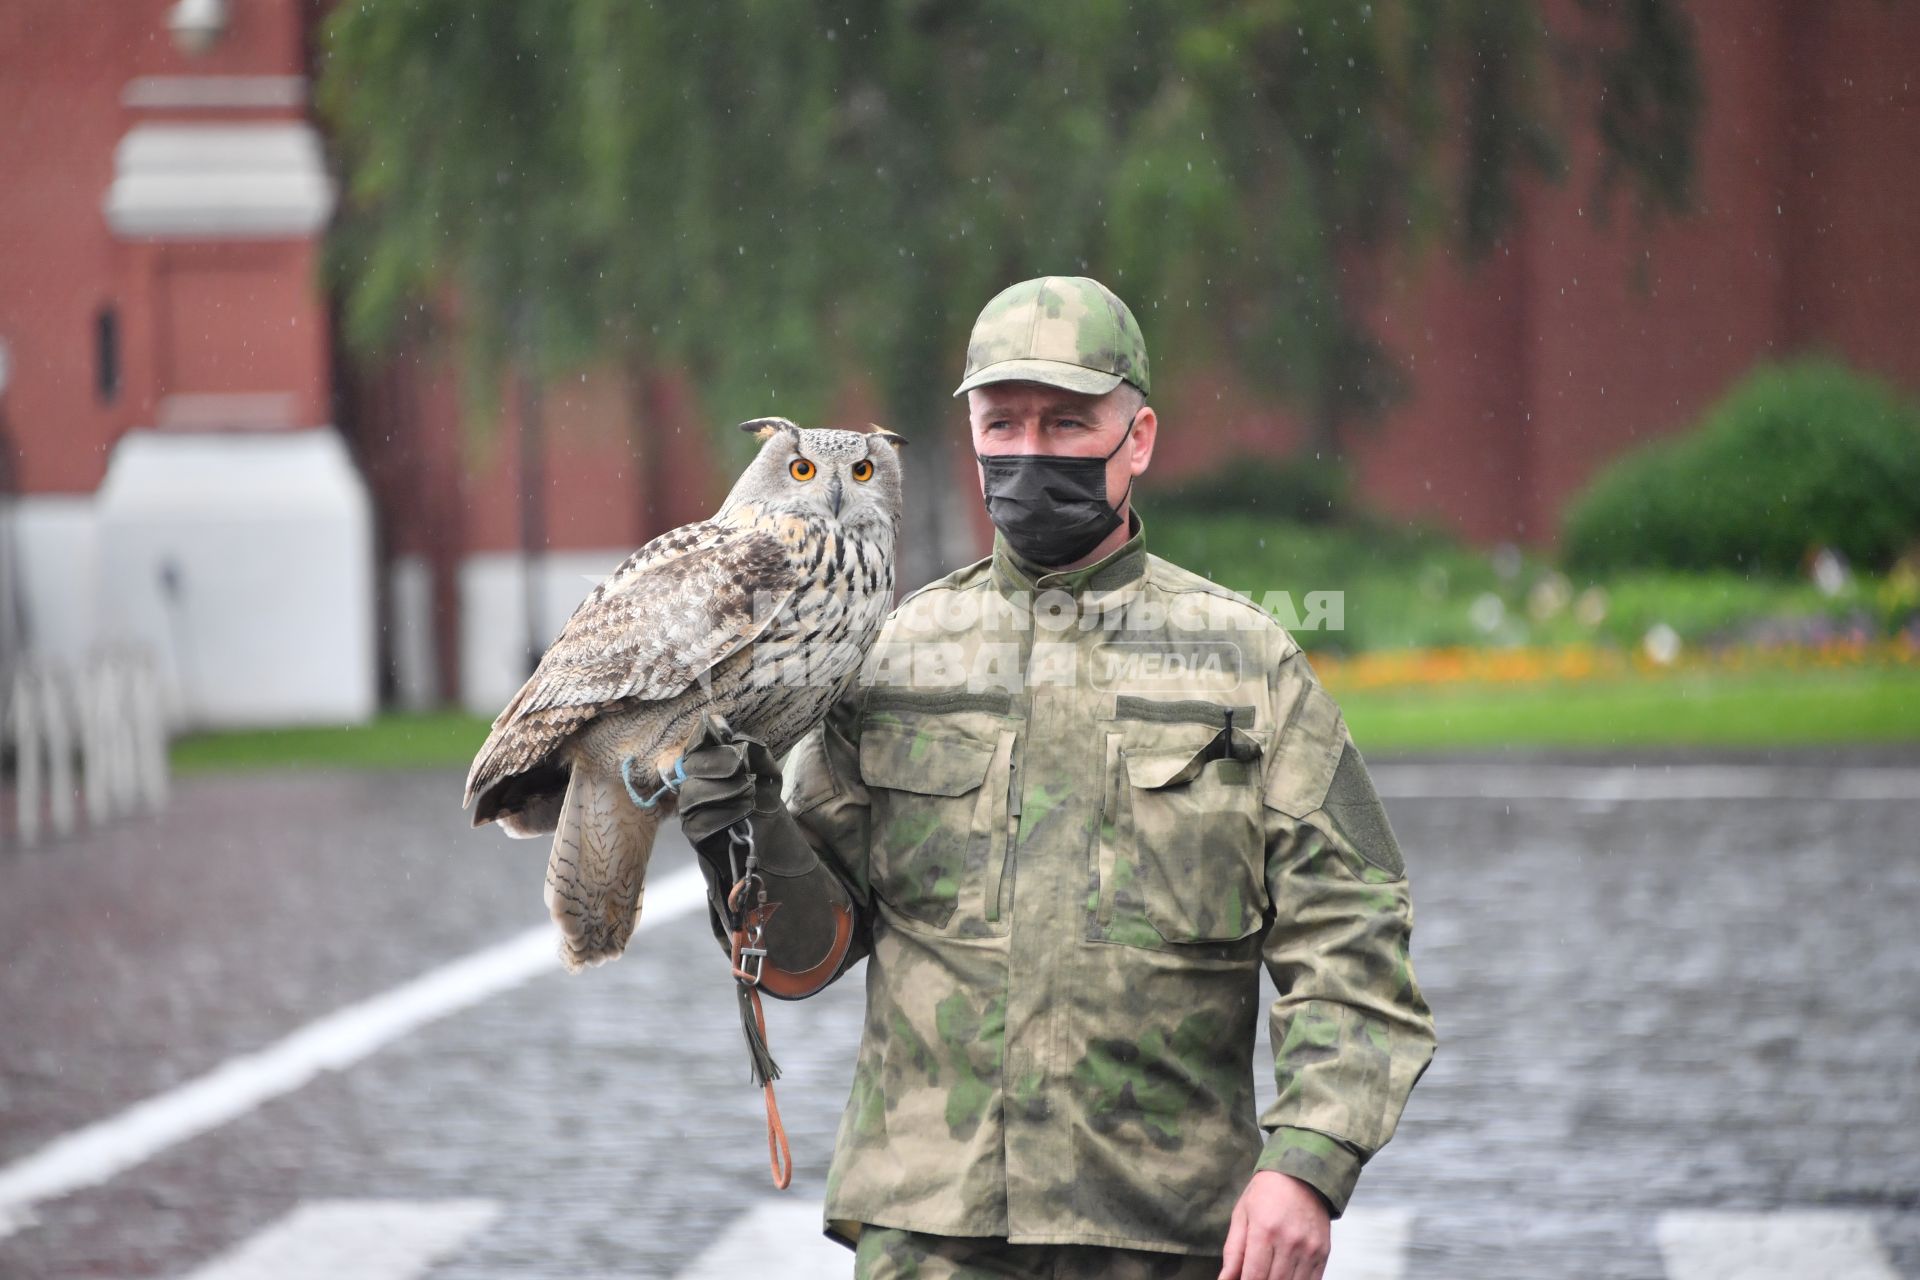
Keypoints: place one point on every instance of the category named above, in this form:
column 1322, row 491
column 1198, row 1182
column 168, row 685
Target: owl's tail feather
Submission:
column 598, row 865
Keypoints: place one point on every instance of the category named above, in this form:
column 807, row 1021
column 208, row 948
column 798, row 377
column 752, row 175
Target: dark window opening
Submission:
column 106, row 352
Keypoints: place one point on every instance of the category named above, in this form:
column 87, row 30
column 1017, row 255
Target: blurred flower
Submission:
column 1550, row 594
column 1487, row 612
column 1898, row 595
column 1661, row 644
column 1457, row 665
column 1829, row 571
column 1590, row 610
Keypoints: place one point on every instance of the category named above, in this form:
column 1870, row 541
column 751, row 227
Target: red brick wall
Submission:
column 61, row 69
column 1854, row 229
column 192, row 318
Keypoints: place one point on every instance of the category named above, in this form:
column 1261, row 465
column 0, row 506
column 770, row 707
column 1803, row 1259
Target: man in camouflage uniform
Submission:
column 1077, row 798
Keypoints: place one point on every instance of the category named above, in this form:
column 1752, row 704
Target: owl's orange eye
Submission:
column 863, row 470
column 800, row 469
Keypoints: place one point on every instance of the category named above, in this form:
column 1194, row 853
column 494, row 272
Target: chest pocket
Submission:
column 938, row 774
column 1182, row 849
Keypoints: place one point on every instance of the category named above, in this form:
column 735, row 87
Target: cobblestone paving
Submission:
column 1642, row 1005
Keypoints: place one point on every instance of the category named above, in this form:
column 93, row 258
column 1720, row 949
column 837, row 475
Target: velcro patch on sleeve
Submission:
column 1355, row 810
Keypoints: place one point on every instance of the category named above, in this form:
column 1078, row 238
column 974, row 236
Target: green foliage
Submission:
column 1795, row 457
column 1650, row 93
column 458, row 141
column 1408, row 587
column 773, row 195
column 1296, row 490
column 1709, row 607
column 1402, row 586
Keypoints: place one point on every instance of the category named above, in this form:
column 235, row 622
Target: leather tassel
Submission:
column 765, row 1069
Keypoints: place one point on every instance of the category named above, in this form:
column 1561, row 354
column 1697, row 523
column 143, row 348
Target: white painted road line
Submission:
column 100, row 1151
column 1370, row 1244
column 1493, row 781
column 777, row 1237
column 1830, row 1244
column 364, row 1239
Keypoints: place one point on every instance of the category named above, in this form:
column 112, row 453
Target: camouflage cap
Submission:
column 1065, row 331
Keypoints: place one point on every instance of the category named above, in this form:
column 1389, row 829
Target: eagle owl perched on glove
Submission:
column 763, row 614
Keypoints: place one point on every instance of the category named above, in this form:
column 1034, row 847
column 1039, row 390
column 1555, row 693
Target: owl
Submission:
column 763, row 613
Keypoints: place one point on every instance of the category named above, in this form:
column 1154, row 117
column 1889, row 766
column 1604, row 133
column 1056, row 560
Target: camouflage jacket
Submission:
column 1076, row 812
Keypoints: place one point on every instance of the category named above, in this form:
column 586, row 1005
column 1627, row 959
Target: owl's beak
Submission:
column 833, row 495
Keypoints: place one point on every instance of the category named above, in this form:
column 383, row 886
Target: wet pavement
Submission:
column 1645, row 1005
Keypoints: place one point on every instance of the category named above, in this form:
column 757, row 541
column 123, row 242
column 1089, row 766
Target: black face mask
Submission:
column 1052, row 510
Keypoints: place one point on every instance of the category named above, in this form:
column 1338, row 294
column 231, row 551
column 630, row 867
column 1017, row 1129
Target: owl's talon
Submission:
column 666, row 784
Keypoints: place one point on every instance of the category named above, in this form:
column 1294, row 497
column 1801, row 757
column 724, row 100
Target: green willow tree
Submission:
column 776, row 197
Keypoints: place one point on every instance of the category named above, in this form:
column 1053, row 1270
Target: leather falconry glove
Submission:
column 807, row 918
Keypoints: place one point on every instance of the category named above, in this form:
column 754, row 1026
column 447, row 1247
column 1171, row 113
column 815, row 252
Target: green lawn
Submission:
column 1756, row 709
column 1760, row 709
column 395, row 741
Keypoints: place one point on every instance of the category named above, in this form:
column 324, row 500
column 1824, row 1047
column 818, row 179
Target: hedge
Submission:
column 1795, row 457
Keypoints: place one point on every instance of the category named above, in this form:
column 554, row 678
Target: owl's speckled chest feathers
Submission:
column 814, row 645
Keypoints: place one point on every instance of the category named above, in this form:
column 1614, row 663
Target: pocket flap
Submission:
column 1162, row 766
column 1171, row 759
column 923, row 760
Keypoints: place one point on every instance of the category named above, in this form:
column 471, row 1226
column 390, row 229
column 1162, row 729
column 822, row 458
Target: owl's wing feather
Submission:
column 672, row 612
column 661, row 621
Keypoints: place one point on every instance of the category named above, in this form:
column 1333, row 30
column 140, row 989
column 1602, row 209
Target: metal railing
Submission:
column 85, row 741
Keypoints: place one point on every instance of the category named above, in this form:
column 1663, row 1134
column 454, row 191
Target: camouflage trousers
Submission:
column 889, row 1253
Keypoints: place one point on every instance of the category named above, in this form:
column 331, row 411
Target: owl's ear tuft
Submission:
column 893, row 438
column 762, row 428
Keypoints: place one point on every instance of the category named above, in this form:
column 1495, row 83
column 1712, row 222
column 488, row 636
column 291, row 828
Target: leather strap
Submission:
column 779, row 1154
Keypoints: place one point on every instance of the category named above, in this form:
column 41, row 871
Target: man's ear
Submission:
column 1146, row 429
column 895, row 439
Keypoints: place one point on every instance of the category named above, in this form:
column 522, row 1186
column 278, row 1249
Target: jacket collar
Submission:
column 1125, row 564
